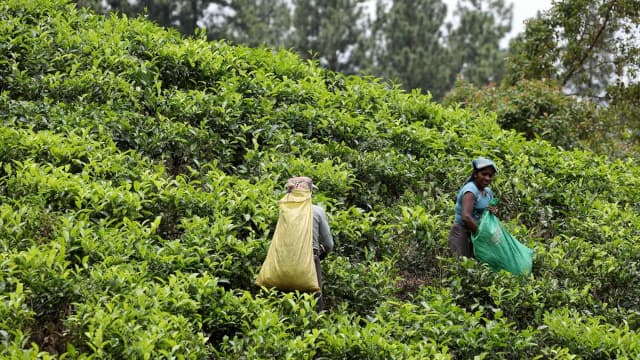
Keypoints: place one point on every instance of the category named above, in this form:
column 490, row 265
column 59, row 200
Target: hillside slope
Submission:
column 139, row 175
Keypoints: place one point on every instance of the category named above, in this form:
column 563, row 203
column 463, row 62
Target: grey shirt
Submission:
column 321, row 231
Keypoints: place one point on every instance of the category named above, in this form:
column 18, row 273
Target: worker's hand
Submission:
column 322, row 253
column 474, row 229
column 493, row 209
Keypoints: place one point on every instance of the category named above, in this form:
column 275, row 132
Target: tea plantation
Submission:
column 139, row 179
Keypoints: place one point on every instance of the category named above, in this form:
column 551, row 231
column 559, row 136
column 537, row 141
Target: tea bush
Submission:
column 139, row 178
column 591, row 337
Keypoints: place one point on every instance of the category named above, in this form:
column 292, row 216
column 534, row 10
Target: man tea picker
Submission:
column 301, row 239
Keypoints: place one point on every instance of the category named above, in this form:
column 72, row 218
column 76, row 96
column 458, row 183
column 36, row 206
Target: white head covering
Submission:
column 300, row 182
column 481, row 163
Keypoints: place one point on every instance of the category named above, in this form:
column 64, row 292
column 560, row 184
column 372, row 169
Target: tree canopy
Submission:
column 410, row 48
column 252, row 23
column 586, row 45
column 475, row 42
column 590, row 49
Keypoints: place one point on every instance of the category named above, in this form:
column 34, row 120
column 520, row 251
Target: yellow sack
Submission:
column 289, row 263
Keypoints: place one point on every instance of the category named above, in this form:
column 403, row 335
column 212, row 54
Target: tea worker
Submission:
column 322, row 238
column 472, row 199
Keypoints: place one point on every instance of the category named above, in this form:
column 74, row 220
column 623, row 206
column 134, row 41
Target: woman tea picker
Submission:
column 473, row 198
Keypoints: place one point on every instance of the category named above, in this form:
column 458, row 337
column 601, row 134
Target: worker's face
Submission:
column 484, row 177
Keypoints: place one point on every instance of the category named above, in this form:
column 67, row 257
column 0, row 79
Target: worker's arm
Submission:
column 325, row 238
column 468, row 200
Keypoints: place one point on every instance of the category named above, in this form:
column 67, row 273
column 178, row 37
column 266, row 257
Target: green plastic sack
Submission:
column 493, row 245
